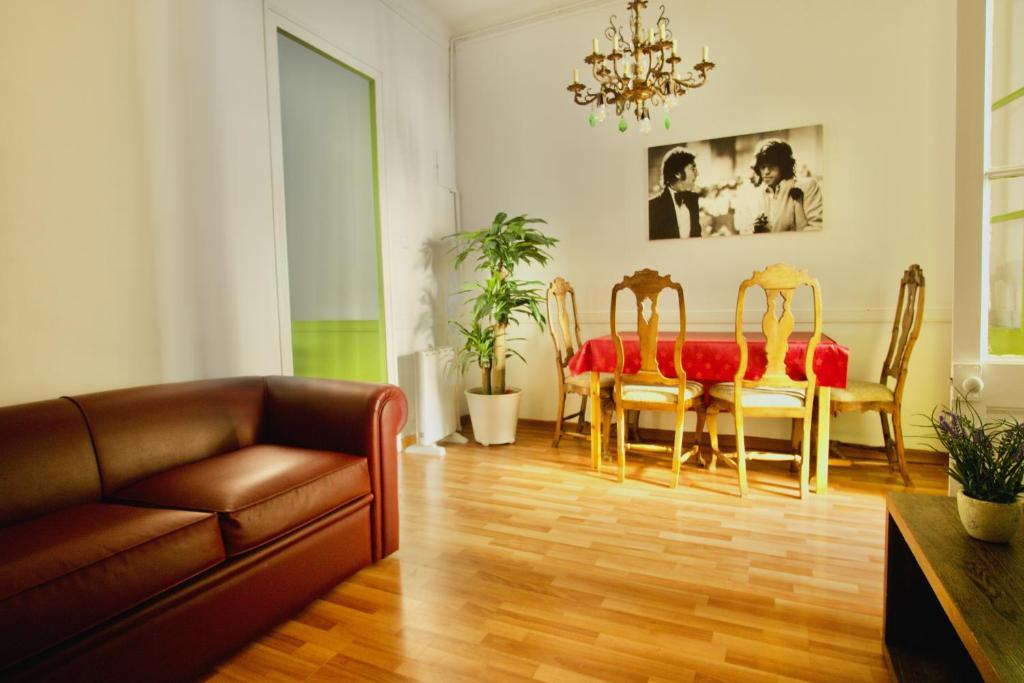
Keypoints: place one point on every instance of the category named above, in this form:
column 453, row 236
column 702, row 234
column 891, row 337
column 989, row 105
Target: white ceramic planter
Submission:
column 494, row 416
column 992, row 522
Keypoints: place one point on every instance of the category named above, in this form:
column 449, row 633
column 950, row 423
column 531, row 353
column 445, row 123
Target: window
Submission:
column 1004, row 178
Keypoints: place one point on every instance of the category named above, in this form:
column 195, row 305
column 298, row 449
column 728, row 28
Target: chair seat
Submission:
column 582, row 380
column 863, row 392
column 760, row 397
column 653, row 393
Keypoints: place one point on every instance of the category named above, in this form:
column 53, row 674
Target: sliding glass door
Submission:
column 328, row 126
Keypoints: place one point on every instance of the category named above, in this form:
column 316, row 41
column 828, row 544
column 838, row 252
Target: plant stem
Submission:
column 499, row 358
column 485, row 379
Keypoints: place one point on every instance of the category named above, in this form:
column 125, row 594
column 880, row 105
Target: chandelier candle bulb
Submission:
column 615, row 43
column 650, row 35
column 704, row 54
column 673, row 47
column 661, row 31
column 575, row 75
column 595, row 46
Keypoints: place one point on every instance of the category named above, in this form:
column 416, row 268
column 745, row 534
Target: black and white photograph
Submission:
column 741, row 185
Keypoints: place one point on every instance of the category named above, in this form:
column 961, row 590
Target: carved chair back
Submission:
column 646, row 286
column 905, row 328
column 563, row 324
column 779, row 282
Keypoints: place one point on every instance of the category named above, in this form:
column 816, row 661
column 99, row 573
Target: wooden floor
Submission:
column 519, row 563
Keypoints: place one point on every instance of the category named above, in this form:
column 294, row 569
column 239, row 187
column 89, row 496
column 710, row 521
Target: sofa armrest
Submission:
column 349, row 417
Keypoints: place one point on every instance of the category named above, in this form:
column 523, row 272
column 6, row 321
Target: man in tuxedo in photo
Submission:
column 675, row 212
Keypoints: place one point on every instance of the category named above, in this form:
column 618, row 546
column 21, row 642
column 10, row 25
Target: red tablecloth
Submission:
column 714, row 356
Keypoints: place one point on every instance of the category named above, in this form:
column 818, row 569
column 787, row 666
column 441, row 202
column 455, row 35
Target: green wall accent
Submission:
column 339, row 349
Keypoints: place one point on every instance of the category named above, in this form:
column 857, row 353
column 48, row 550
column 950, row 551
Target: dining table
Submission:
column 710, row 357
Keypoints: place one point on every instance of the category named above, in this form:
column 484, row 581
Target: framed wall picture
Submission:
column 741, row 185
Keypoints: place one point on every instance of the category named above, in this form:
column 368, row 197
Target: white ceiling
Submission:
column 468, row 16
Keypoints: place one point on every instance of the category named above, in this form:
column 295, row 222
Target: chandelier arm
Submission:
column 695, row 81
column 611, row 30
column 589, row 98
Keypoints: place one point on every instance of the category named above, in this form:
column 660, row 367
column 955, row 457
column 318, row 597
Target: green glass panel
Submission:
column 339, row 349
column 1006, row 267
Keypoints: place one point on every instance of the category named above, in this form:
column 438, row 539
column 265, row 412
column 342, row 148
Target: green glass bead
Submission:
column 622, row 125
column 592, row 119
column 668, row 123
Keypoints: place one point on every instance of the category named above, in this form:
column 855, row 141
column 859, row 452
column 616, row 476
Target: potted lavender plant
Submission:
column 987, row 459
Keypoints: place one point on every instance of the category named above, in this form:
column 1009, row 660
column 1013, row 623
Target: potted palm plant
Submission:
column 497, row 302
column 987, row 459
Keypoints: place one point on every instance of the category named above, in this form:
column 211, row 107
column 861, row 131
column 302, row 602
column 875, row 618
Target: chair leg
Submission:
column 677, row 446
column 805, row 459
column 887, row 442
column 633, row 417
column 699, row 432
column 795, row 432
column 901, row 456
column 712, row 417
column 581, row 419
column 741, row 452
column 559, row 417
column 620, row 438
column 606, row 432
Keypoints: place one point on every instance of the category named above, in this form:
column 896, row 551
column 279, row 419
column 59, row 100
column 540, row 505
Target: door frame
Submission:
column 273, row 22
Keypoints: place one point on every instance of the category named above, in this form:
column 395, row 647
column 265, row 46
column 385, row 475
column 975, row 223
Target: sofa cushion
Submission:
column 259, row 492
column 69, row 570
column 46, row 460
column 143, row 431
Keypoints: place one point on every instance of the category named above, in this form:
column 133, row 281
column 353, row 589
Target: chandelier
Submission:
column 637, row 74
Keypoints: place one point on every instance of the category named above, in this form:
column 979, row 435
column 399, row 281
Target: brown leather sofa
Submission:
column 145, row 533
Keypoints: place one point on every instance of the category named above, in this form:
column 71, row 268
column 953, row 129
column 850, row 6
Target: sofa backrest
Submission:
column 143, row 431
column 46, row 460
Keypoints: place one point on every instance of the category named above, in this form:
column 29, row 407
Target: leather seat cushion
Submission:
column 862, row 392
column 653, row 393
column 760, row 397
column 72, row 569
column 259, row 492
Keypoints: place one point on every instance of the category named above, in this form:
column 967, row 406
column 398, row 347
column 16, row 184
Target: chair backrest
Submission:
column 905, row 328
column 779, row 281
column 563, row 324
column 646, row 286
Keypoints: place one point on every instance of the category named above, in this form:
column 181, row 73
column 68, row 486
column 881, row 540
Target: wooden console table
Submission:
column 954, row 606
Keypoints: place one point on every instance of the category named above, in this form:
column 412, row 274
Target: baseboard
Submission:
column 763, row 443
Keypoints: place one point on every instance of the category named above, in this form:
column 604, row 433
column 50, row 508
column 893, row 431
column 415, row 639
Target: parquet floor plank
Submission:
column 518, row 563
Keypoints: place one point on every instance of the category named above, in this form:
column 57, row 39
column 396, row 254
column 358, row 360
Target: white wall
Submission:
column 136, row 211
column 878, row 76
column 76, row 261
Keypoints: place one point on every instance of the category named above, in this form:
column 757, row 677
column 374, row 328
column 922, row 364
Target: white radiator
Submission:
column 437, row 376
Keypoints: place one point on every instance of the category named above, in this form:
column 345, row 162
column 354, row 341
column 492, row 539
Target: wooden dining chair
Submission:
column 648, row 388
column 564, row 329
column 878, row 396
column 775, row 394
